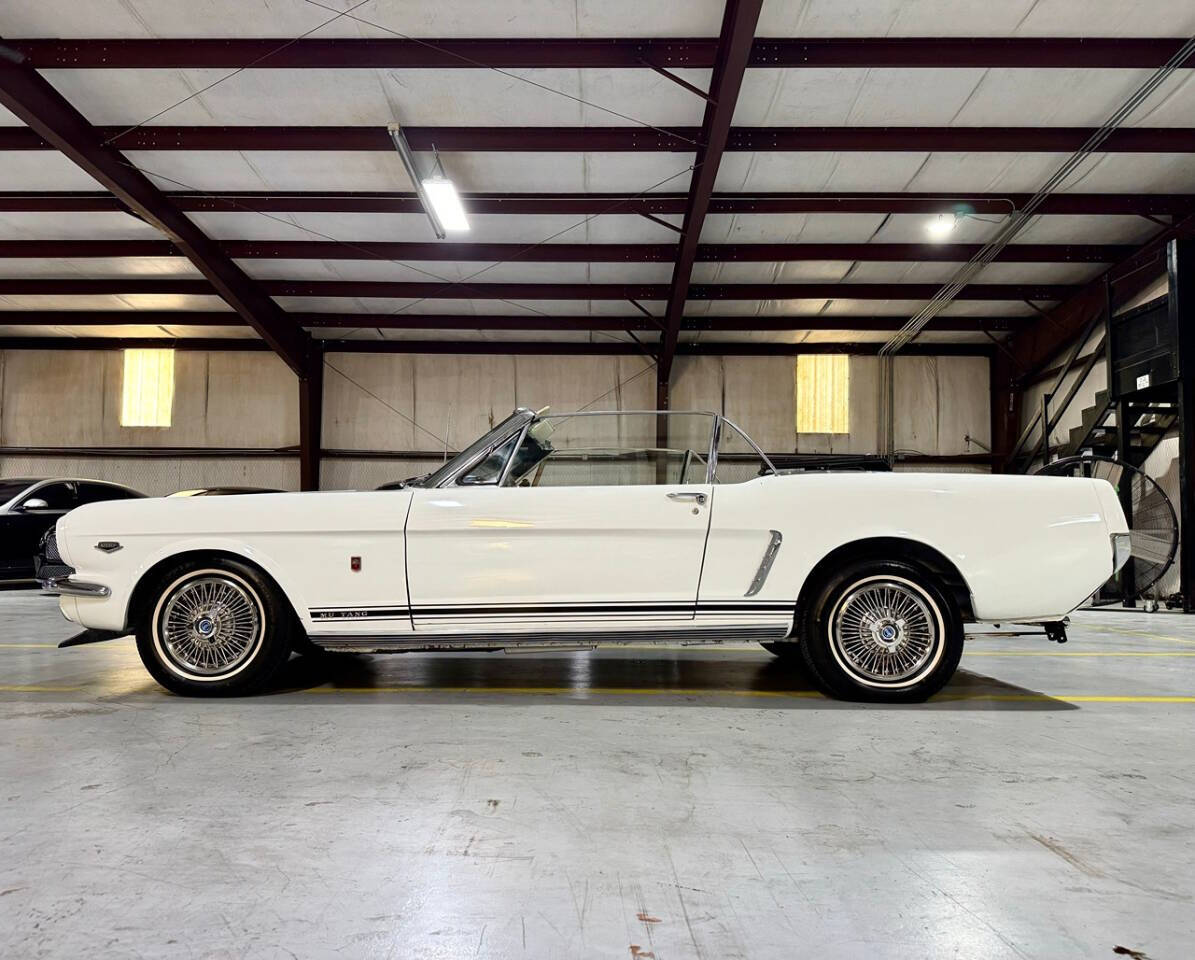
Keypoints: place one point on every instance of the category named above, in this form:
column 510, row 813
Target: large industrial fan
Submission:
column 1153, row 527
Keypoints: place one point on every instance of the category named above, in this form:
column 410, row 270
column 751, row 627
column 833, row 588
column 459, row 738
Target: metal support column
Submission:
column 1180, row 262
column 662, row 399
column 1124, row 450
column 311, row 409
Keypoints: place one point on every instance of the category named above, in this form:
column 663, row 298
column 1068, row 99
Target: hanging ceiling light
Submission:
column 446, row 203
column 942, row 225
column 441, row 202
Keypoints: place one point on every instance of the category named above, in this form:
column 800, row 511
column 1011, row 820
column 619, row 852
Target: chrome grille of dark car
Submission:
column 50, row 545
column 48, row 564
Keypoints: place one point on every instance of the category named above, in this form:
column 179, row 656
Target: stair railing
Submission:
column 1072, row 356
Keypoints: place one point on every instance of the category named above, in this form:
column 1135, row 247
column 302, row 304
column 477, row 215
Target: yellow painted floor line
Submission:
column 1137, row 633
column 567, row 691
column 1064, row 697
column 30, row 646
column 1078, row 653
column 635, row 692
column 802, row 694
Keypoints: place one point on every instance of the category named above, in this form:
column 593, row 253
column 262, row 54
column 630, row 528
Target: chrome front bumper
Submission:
column 66, row 587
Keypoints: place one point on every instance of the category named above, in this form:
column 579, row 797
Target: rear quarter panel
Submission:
column 1029, row 548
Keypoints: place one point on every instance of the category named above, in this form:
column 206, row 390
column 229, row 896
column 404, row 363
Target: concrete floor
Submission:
column 638, row 803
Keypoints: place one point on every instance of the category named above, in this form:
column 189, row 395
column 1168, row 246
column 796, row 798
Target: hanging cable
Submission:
column 1018, row 220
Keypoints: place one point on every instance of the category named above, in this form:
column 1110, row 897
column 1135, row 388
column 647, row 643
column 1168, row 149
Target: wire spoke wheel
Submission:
column 210, row 625
column 886, row 630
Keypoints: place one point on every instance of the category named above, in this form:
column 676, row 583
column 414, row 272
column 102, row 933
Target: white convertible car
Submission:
column 590, row 528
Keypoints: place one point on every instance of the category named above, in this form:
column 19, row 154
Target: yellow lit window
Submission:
column 147, row 394
column 823, row 393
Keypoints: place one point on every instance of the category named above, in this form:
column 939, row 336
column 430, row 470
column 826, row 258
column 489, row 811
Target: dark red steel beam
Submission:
column 631, row 139
column 589, row 204
column 32, row 99
column 468, row 321
column 499, row 347
column 537, row 291
column 572, row 252
column 739, row 20
column 693, row 52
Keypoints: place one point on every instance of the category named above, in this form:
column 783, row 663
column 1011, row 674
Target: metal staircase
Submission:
column 1148, row 423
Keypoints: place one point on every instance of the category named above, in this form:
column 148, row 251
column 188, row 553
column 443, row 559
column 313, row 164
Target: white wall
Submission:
column 71, row 398
column 417, row 402
column 64, row 398
column 939, row 400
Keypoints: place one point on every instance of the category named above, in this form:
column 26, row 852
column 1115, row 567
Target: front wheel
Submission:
column 882, row 630
column 214, row 627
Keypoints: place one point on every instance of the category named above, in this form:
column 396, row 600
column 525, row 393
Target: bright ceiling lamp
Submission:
column 441, row 202
column 446, row 203
column 942, row 225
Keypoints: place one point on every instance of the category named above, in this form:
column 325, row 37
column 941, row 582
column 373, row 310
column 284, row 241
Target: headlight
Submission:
column 1122, row 548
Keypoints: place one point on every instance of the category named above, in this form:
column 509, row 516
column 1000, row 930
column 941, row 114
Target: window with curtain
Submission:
column 823, row 388
column 147, row 389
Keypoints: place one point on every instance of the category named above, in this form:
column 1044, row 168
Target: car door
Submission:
column 747, row 580
column 606, row 537
column 25, row 525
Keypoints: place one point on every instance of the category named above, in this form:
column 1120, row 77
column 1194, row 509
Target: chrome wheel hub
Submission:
column 887, row 633
column 885, row 630
column 210, row 625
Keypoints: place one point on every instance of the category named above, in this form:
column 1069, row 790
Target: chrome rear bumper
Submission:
column 65, row 586
column 1122, row 549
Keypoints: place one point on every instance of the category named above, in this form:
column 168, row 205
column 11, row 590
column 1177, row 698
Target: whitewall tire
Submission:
column 213, row 627
column 882, row 630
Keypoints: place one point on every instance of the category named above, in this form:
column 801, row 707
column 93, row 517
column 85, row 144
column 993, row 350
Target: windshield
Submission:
column 628, row 448
column 504, row 429
column 11, row 488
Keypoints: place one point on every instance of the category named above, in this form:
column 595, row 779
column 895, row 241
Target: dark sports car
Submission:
column 30, row 506
column 222, row 491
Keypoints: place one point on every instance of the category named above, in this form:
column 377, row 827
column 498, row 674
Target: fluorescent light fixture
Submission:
column 440, row 200
column 942, row 225
column 446, row 203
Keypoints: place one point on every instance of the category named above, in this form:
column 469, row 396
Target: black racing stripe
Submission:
column 565, row 604
column 363, row 606
column 608, row 609
column 539, row 608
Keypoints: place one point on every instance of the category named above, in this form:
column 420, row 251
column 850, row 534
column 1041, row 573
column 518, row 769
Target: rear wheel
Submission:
column 214, row 627
column 882, row 630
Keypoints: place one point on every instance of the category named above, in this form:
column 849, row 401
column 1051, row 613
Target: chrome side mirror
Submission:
column 35, row 503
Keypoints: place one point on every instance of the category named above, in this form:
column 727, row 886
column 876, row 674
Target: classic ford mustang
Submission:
column 589, row 528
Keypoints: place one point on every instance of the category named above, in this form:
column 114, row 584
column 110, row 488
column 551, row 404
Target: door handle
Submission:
column 686, row 495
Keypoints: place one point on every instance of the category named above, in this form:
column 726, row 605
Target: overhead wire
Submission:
column 248, row 66
column 349, row 13
column 613, row 207
column 1019, row 220
column 371, row 254
column 338, row 14
column 507, row 73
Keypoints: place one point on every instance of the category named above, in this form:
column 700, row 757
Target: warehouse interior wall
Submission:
column 416, row 406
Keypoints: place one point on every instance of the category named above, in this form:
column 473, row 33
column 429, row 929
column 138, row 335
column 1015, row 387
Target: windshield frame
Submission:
column 523, row 419
column 479, row 448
